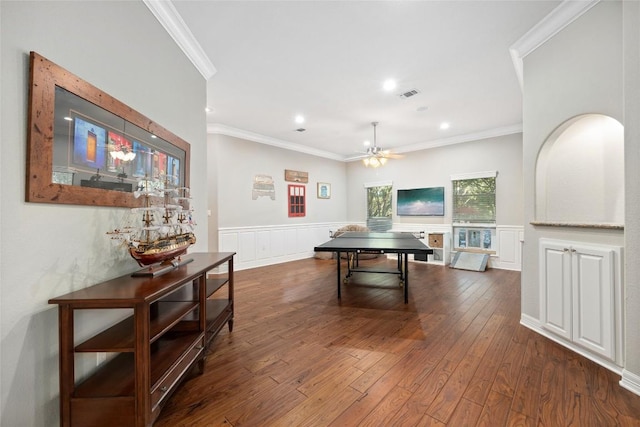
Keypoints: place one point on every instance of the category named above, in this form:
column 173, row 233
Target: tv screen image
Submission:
column 421, row 202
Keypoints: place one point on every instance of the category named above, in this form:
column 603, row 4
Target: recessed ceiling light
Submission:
column 207, row 109
column 445, row 125
column 299, row 118
column 367, row 143
column 389, row 85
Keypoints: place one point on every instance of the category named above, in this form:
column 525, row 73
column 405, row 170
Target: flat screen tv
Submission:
column 421, row 202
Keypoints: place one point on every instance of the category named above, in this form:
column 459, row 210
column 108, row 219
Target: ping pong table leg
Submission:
column 338, row 255
column 406, row 278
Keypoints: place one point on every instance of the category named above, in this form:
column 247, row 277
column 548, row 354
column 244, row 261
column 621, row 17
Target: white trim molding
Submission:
column 509, row 247
column 474, row 175
column 534, row 324
column 220, row 129
column 273, row 244
column 458, row 139
column 166, row 13
column 563, row 15
column 378, row 184
column 630, row 381
column 258, row 246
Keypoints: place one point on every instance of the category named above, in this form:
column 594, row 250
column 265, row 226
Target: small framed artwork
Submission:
column 324, row 190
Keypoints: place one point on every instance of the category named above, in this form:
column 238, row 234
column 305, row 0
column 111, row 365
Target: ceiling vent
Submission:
column 409, row 93
column 300, row 130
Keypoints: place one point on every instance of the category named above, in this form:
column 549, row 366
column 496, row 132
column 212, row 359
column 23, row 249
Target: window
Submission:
column 379, row 206
column 474, row 198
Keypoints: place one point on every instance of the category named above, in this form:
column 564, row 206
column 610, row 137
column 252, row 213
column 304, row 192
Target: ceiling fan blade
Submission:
column 389, row 155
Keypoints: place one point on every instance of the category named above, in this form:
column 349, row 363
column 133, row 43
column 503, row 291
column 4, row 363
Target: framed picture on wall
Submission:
column 324, row 190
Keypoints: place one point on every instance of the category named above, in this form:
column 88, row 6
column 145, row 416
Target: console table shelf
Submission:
column 174, row 318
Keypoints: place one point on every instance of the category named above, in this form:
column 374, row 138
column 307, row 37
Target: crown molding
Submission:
column 476, row 136
column 220, row 129
column 166, row 13
column 563, row 15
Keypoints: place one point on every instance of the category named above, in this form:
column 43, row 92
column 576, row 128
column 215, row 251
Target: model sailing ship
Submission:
column 165, row 227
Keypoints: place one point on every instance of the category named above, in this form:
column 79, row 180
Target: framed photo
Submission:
column 324, row 190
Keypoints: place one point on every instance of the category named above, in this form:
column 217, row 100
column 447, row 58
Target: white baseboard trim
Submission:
column 630, row 381
column 533, row 324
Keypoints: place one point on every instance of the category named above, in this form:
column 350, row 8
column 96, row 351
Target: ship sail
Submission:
column 161, row 230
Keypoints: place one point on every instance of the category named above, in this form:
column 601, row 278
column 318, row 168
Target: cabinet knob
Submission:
column 164, row 389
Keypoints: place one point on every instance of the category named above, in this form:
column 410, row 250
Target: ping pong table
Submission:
column 354, row 243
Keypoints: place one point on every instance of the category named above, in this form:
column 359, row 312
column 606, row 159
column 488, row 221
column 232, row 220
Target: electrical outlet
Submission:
column 100, row 358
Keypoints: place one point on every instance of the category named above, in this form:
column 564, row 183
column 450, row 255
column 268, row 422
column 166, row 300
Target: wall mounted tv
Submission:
column 421, row 202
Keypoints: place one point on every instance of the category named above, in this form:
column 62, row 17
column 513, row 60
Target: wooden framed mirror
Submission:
column 85, row 147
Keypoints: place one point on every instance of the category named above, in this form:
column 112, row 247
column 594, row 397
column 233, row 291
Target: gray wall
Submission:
column 576, row 72
column 631, row 13
column 434, row 167
column 239, row 160
column 49, row 250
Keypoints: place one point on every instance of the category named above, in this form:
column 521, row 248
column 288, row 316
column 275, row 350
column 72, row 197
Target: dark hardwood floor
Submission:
column 456, row 355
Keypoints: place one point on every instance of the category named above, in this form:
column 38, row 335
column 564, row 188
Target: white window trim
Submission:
column 378, row 184
column 473, row 225
column 474, row 175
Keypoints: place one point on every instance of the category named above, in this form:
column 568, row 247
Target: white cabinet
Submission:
column 580, row 294
column 441, row 245
column 440, row 242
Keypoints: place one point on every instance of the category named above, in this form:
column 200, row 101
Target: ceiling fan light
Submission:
column 376, row 157
column 373, row 161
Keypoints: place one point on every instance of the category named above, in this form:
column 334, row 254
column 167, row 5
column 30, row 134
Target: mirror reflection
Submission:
column 96, row 148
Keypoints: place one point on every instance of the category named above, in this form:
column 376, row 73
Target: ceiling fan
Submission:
column 376, row 156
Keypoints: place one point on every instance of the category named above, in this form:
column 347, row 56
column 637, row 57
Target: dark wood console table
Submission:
column 174, row 318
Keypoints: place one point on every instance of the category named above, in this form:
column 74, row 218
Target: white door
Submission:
column 593, row 299
column 555, row 287
column 578, row 294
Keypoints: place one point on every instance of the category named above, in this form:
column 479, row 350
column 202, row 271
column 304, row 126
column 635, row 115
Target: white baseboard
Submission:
column 630, row 381
column 533, row 324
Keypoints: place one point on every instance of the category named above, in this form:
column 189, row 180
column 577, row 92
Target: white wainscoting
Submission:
column 267, row 245
column 509, row 253
column 509, row 242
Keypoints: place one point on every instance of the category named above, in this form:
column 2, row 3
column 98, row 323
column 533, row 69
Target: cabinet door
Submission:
column 593, row 299
column 555, row 288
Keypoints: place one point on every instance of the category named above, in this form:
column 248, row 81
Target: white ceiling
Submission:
column 327, row 60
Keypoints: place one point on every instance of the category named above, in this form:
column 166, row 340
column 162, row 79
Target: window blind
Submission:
column 474, row 200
